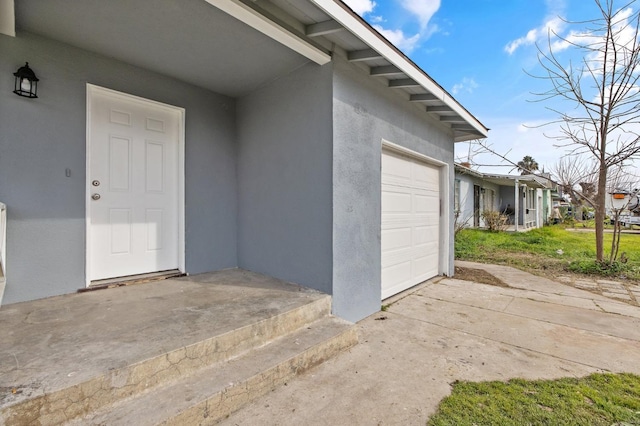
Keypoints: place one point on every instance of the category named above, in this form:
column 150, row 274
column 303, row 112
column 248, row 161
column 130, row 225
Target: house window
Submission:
column 456, row 196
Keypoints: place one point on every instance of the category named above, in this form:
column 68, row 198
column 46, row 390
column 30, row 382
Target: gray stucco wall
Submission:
column 41, row 138
column 285, row 178
column 366, row 112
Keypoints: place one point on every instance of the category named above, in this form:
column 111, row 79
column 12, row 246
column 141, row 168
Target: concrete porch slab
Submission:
column 107, row 341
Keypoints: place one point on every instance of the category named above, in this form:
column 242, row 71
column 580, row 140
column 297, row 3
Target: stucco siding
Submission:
column 365, row 113
column 285, row 180
column 40, row 139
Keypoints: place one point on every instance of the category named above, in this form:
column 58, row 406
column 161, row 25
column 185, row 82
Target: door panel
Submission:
column 133, row 180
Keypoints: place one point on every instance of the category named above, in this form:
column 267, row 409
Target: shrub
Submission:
column 494, row 220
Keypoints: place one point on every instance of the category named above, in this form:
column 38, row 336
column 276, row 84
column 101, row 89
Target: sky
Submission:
column 482, row 52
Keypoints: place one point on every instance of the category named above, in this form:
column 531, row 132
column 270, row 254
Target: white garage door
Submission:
column 410, row 222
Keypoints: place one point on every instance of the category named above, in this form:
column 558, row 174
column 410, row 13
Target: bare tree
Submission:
column 577, row 178
column 473, row 149
column 603, row 89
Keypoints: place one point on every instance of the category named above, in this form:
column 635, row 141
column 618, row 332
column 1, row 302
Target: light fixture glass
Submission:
column 26, row 83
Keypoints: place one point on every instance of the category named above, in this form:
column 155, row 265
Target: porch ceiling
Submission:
column 190, row 40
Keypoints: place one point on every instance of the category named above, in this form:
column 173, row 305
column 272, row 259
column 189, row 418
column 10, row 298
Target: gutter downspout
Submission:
column 516, row 208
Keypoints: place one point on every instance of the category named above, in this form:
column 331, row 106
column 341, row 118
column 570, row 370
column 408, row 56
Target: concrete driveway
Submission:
column 447, row 330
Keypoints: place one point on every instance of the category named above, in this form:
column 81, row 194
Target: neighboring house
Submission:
column 286, row 138
column 473, row 195
column 521, row 198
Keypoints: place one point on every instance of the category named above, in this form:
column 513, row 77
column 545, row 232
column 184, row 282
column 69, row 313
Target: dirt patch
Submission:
column 479, row 276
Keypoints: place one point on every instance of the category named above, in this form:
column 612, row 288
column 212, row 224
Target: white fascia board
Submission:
column 269, row 28
column 364, row 33
column 7, row 18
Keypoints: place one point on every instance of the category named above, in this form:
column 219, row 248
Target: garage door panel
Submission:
column 394, row 166
column 426, row 204
column 393, row 239
column 397, row 274
column 397, row 202
column 396, row 257
column 410, row 228
column 421, row 235
column 426, row 235
column 405, row 254
column 424, row 266
column 425, row 176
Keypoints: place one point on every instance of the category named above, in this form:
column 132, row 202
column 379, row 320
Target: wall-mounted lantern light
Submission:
column 619, row 199
column 483, row 190
column 26, row 82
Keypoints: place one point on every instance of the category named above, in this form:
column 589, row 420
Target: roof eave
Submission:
column 352, row 22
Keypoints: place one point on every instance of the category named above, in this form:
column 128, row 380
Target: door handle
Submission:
column 95, row 197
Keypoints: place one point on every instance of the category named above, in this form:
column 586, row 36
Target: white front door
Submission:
column 133, row 155
column 410, row 222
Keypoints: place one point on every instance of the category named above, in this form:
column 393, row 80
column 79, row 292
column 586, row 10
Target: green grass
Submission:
column 599, row 399
column 551, row 249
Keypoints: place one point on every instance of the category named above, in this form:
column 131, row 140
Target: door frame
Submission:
column 93, row 90
column 445, row 200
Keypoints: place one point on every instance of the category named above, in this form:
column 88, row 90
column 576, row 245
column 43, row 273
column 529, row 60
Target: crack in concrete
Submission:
column 515, row 315
column 509, row 304
column 601, row 308
column 514, row 346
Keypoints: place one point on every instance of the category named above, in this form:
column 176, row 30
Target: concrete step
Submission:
column 66, row 400
column 210, row 394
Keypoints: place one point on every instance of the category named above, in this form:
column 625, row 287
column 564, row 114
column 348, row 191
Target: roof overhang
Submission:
column 314, row 28
column 266, row 26
column 530, row 181
column 404, row 73
column 467, row 171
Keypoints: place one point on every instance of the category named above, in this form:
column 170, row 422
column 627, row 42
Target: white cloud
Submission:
column 361, row 7
column 422, row 9
column 466, row 85
column 551, row 25
column 399, row 38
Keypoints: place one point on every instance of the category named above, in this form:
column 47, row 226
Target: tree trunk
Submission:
column 601, row 211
